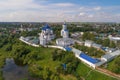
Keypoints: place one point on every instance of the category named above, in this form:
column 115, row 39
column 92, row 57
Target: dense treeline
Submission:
column 30, row 33
column 82, row 29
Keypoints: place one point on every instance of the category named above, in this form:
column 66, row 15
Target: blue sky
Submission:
column 60, row 10
column 85, row 2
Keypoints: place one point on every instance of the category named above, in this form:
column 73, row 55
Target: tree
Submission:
column 19, row 51
column 58, row 55
column 8, row 47
column 46, row 73
column 54, row 77
column 115, row 65
column 112, row 44
column 88, row 35
column 106, row 42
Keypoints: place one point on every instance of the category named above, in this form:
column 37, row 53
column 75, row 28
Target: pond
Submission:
column 13, row 71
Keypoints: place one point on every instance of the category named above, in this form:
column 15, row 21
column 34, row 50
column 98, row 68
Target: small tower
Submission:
column 64, row 31
column 42, row 39
column 21, row 28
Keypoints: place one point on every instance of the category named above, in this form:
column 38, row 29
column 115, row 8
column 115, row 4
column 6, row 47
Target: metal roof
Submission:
column 96, row 45
column 68, row 48
column 65, row 30
column 103, row 48
column 89, row 42
column 111, row 55
column 88, row 58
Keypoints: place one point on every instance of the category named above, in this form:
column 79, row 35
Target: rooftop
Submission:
column 65, row 39
column 46, row 27
column 68, row 48
column 88, row 58
column 88, row 41
column 110, row 55
column 97, row 45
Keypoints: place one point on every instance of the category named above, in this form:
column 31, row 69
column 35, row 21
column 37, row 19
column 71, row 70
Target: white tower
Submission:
column 42, row 39
column 21, row 28
column 64, row 31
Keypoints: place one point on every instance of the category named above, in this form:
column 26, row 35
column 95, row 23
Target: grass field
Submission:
column 90, row 74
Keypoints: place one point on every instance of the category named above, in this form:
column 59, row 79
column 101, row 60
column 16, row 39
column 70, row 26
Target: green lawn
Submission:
column 86, row 72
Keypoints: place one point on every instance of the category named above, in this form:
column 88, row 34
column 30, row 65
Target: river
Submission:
column 12, row 71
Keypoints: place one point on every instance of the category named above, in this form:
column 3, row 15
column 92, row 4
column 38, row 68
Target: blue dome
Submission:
column 46, row 27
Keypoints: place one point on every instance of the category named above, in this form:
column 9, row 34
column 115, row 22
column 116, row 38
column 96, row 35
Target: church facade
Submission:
column 46, row 35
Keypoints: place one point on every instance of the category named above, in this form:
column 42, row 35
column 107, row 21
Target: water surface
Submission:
column 12, row 71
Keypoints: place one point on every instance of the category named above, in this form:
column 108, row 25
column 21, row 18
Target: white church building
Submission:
column 46, row 35
column 64, row 31
column 65, row 41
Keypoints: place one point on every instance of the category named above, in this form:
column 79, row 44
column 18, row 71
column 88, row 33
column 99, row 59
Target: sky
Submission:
column 59, row 10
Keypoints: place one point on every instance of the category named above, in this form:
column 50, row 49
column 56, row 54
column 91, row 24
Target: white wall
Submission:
column 87, row 62
column 29, row 43
column 59, row 47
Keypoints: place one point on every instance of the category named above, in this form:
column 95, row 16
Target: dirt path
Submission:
column 107, row 72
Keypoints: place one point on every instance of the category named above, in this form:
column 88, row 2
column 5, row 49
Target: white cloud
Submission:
column 90, row 16
column 29, row 10
column 64, row 4
column 97, row 8
column 81, row 8
column 18, row 5
column 82, row 14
